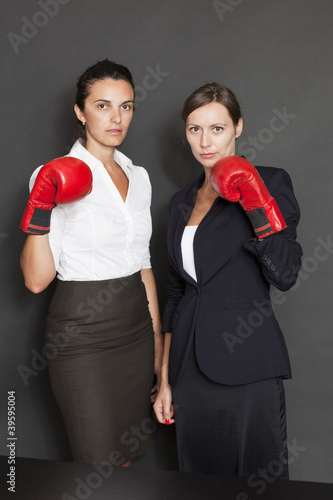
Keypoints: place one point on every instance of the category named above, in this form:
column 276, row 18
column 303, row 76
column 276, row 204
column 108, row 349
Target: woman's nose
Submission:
column 115, row 116
column 205, row 139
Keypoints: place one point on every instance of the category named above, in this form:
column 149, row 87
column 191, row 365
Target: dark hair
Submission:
column 213, row 92
column 99, row 71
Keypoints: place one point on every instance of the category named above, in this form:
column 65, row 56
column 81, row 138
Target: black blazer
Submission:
column 228, row 311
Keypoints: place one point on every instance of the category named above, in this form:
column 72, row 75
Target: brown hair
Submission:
column 213, row 92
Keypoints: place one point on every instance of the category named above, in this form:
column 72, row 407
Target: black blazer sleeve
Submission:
column 280, row 254
column 176, row 289
column 176, row 282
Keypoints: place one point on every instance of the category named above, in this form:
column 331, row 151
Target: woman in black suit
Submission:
column 225, row 355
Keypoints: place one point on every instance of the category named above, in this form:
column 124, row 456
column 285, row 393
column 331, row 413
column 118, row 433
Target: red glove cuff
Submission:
column 36, row 220
column 267, row 220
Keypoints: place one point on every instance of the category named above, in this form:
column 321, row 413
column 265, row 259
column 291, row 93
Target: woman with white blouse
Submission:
column 104, row 317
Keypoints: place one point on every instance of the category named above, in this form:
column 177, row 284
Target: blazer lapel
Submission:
column 217, row 220
column 184, row 213
column 220, row 209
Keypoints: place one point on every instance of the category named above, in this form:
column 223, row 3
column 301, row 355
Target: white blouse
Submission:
column 188, row 252
column 101, row 236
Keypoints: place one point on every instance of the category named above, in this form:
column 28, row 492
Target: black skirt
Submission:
column 100, row 348
column 231, row 430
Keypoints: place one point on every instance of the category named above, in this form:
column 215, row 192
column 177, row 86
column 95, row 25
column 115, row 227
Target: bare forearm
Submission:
column 165, row 361
column 148, row 279
column 37, row 263
column 163, row 407
column 149, row 282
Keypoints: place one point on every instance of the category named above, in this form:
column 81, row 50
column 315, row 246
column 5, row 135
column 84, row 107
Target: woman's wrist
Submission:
column 164, row 387
column 164, row 380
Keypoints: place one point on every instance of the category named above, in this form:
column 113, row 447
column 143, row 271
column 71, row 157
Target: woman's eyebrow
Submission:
column 109, row 102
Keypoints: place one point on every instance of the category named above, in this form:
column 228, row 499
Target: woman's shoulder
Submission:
column 187, row 193
column 268, row 171
column 279, row 184
column 127, row 164
column 139, row 176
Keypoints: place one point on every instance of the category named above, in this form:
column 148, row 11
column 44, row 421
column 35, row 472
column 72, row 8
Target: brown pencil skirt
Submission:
column 100, row 350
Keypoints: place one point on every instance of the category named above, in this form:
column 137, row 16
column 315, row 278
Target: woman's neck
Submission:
column 104, row 154
column 206, row 188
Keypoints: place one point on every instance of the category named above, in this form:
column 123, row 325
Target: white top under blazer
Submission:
column 188, row 252
column 100, row 236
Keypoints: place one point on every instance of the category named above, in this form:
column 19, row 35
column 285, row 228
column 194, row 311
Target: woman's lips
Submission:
column 207, row 155
column 114, row 131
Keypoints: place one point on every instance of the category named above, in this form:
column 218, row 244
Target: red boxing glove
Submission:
column 235, row 179
column 59, row 181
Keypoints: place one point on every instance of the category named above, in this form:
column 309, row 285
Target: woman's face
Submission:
column 211, row 133
column 108, row 112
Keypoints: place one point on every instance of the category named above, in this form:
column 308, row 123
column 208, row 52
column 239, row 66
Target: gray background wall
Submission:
column 277, row 57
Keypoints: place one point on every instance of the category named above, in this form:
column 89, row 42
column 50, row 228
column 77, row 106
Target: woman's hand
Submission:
column 163, row 405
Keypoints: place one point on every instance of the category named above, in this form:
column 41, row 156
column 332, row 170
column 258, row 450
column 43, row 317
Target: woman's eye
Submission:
column 194, row 129
column 102, row 106
column 218, row 129
column 126, row 107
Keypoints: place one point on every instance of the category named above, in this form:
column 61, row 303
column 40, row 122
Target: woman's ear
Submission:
column 79, row 114
column 239, row 127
